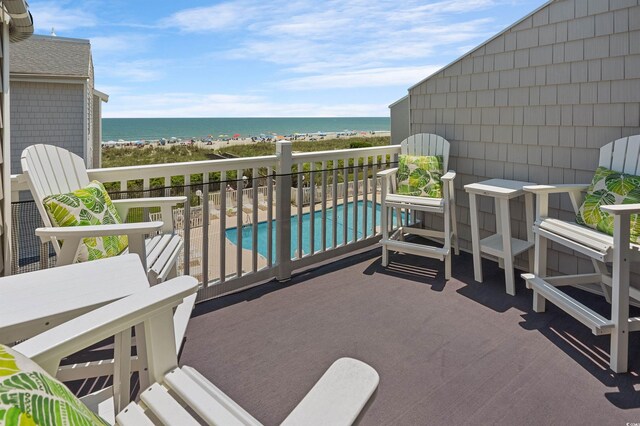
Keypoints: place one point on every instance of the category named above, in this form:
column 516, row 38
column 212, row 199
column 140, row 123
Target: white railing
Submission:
column 243, row 234
column 307, row 196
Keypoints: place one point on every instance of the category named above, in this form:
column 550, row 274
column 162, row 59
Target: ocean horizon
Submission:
column 131, row 129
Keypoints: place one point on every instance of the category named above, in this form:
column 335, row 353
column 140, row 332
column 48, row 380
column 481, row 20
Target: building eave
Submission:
column 49, row 77
column 102, row 96
column 398, row 101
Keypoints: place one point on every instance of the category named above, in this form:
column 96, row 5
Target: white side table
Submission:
column 502, row 244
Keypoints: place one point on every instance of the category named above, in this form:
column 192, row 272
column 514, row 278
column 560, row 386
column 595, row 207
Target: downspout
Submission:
column 16, row 24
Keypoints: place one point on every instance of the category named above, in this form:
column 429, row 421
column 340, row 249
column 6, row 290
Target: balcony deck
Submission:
column 460, row 353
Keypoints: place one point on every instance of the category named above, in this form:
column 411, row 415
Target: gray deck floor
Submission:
column 454, row 353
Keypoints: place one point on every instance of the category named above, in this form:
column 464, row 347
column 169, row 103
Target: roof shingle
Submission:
column 51, row 56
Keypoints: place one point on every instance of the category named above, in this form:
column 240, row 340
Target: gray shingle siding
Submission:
column 46, row 113
column 540, row 99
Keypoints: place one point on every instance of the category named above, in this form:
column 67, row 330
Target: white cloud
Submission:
column 221, row 105
column 375, row 77
column 334, row 45
column 56, row 14
column 218, row 17
column 132, row 71
column 129, row 43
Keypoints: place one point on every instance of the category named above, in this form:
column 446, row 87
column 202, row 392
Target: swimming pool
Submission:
column 247, row 238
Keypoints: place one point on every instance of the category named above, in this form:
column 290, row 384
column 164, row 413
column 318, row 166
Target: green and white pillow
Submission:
column 83, row 207
column 609, row 187
column 420, row 175
column 30, row 396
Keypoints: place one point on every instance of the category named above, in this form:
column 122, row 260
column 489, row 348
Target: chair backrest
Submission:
column 622, row 155
column 427, row 144
column 52, row 170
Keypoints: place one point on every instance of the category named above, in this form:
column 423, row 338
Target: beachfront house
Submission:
column 54, row 99
column 279, row 302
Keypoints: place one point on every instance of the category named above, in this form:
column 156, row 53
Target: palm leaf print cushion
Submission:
column 30, row 396
column 610, row 187
column 87, row 206
column 420, row 175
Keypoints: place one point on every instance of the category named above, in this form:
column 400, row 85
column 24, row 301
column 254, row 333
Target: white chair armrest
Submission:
column 72, row 236
column 542, row 192
column 617, row 209
column 450, row 175
column 49, row 347
column 387, row 172
column 63, row 232
column 554, row 189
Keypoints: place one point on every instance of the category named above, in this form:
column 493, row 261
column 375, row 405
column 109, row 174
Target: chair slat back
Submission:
column 52, row 170
column 622, row 155
column 427, row 144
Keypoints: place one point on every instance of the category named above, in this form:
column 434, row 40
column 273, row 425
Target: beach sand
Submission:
column 218, row 143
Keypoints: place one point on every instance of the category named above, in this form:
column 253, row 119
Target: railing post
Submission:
column 283, row 210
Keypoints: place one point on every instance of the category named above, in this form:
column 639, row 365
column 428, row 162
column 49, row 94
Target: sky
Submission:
column 270, row 58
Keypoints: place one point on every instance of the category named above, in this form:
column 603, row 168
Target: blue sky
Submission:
column 261, row 58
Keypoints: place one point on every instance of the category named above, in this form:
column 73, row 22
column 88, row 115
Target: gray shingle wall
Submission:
column 536, row 103
column 46, row 113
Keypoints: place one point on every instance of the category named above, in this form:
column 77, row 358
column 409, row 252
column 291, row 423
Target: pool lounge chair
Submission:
column 262, row 203
column 214, row 212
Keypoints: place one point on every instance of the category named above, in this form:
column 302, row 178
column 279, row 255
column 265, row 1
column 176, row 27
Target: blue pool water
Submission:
column 247, row 239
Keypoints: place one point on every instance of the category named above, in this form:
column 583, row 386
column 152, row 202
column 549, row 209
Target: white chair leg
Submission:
column 447, row 267
column 385, row 256
column 385, row 234
column 539, row 270
column 454, row 220
column 454, row 226
column 620, row 295
column 447, row 242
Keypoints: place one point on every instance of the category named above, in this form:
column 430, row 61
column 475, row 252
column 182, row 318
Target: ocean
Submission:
column 130, row 129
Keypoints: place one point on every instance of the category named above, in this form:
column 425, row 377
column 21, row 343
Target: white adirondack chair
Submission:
column 40, row 300
column 420, row 144
column 53, row 170
column 180, row 395
column 611, row 255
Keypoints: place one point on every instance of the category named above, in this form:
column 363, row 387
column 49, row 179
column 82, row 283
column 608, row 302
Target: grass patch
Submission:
column 121, row 157
column 131, row 156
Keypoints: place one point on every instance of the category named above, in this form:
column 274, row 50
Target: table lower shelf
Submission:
column 493, row 245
